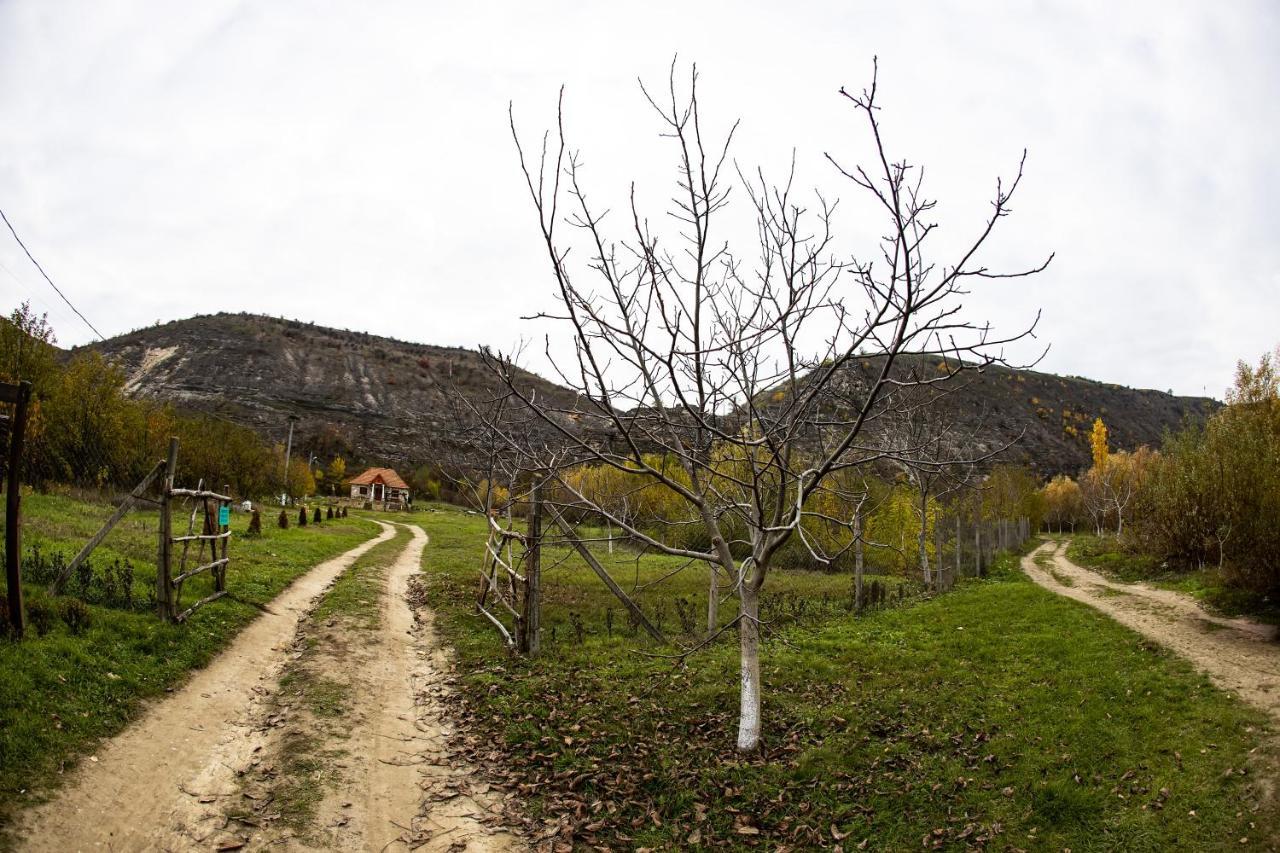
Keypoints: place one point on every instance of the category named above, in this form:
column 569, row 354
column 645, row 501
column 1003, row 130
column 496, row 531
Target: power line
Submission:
column 46, row 276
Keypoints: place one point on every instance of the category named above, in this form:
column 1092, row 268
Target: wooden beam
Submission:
column 182, row 617
column 203, row 536
column 111, row 522
column 199, row 493
column 632, row 607
column 198, row 569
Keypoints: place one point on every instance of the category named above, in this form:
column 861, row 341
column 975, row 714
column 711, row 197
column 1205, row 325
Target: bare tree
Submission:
column 712, row 368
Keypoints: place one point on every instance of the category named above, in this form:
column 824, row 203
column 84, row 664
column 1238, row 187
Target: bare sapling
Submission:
column 744, row 373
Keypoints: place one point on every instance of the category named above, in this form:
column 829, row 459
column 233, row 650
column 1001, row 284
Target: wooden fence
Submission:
column 213, row 508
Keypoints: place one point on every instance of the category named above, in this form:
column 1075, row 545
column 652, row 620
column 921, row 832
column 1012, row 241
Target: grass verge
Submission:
column 1107, row 555
column 997, row 715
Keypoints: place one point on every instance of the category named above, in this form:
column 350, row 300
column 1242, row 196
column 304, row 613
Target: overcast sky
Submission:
column 349, row 163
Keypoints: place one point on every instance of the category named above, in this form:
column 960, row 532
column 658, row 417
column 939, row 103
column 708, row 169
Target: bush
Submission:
column 317, row 517
column 1213, row 498
column 75, row 613
column 302, row 516
column 330, row 514
column 41, row 615
column 283, row 521
column 255, row 525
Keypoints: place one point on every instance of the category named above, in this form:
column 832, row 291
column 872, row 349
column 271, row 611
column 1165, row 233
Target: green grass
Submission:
column 996, row 714
column 61, row 692
column 1110, row 557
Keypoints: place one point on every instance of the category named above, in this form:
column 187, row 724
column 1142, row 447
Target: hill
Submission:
column 370, row 399
column 380, row 400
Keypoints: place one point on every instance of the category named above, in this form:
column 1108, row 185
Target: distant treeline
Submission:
column 891, row 512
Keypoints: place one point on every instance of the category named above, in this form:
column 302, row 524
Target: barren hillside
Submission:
column 376, row 399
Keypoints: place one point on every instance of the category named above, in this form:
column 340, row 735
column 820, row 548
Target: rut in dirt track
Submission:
column 1239, row 655
column 170, row 780
column 388, row 780
column 132, row 789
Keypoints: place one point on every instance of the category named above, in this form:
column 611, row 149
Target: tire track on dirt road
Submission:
column 1239, row 655
column 368, row 767
column 132, row 790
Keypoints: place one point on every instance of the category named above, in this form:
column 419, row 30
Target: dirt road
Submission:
column 1239, row 655
column 176, row 779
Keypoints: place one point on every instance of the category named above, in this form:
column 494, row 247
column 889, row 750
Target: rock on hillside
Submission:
column 379, row 400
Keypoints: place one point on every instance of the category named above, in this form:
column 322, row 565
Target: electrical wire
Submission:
column 46, row 276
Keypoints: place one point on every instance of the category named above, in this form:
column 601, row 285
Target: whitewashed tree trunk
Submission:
column 749, row 702
column 713, row 601
column 923, row 540
column 857, row 559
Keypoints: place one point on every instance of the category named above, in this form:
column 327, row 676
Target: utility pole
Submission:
column 288, row 449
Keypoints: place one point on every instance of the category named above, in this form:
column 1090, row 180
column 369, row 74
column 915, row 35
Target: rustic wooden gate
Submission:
column 215, row 510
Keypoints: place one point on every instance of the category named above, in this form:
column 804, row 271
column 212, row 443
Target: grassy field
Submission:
column 63, row 690
column 1106, row 555
column 996, row 715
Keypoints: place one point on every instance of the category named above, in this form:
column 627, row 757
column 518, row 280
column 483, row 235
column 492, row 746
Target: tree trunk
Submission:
column 713, row 603
column 924, row 537
column 749, row 636
column 957, row 577
column 857, row 559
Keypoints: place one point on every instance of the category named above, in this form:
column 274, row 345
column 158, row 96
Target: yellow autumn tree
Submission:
column 1098, row 440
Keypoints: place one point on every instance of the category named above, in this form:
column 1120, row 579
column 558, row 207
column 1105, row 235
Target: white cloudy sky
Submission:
column 349, row 163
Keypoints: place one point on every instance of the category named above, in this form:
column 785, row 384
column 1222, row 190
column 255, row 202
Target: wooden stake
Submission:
column 20, row 395
column 164, row 587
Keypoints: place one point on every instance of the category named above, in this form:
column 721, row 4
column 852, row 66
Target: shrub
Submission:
column 302, row 516
column 283, row 521
column 41, row 615
column 255, row 525
column 75, row 613
column 317, row 517
column 329, row 515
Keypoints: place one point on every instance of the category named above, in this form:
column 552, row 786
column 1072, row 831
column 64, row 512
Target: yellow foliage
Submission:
column 1098, row 441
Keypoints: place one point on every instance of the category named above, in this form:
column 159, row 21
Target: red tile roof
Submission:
column 387, row 475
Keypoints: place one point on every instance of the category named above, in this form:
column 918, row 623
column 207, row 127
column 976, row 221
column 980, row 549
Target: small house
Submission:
column 380, row 486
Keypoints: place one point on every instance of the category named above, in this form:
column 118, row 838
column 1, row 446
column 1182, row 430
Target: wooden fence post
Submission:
column 164, row 576
column 220, row 575
column 957, row 572
column 21, row 394
column 940, row 581
column 531, row 607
